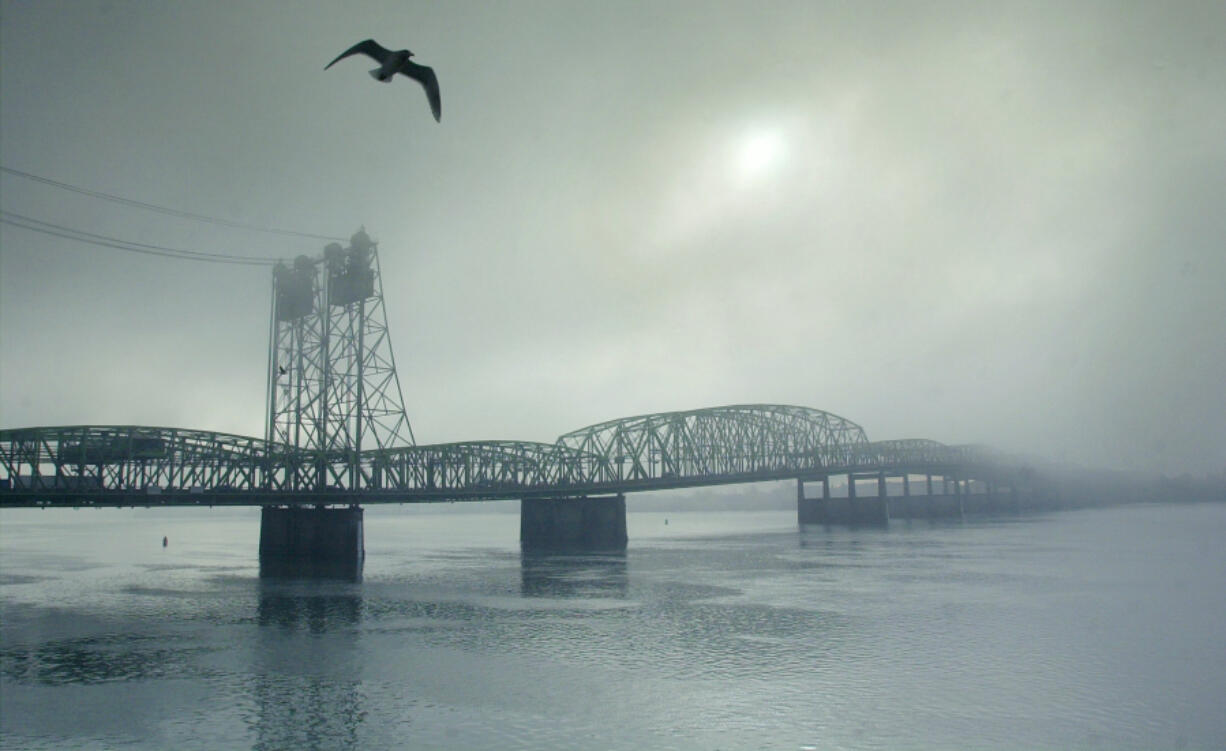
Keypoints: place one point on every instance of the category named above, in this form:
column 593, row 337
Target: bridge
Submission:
column 147, row 466
column 587, row 470
column 332, row 392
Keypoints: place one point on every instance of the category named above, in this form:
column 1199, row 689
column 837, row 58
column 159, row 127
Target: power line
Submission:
column 58, row 230
column 163, row 209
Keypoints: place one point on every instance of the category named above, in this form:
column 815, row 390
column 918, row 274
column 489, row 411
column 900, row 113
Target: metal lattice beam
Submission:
column 332, row 385
column 137, row 465
column 737, row 440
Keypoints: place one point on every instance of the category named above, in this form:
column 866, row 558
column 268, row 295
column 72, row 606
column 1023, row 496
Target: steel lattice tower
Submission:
column 332, row 385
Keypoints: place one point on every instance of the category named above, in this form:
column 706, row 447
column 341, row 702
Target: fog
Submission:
column 998, row 224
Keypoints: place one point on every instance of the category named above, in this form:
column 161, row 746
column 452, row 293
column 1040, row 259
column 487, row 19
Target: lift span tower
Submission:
column 332, row 389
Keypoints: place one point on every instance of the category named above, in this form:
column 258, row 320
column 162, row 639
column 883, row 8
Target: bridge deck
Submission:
column 152, row 466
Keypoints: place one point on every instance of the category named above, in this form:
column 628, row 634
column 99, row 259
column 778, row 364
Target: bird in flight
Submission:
column 391, row 63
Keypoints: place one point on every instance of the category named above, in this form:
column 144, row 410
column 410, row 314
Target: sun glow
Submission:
column 759, row 152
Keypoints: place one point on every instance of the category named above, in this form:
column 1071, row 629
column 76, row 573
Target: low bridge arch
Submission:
column 734, row 443
column 476, row 469
column 128, row 457
column 120, row 465
column 903, row 453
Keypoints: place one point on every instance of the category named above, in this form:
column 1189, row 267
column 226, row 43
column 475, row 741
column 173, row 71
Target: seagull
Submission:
column 391, row 63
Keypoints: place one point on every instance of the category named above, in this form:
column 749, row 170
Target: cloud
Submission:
column 998, row 224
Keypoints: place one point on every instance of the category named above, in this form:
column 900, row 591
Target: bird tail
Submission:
column 377, row 74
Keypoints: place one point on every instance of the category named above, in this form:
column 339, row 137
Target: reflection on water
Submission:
column 300, row 568
column 573, row 575
column 306, row 677
column 720, row 631
column 94, row 659
column 316, row 607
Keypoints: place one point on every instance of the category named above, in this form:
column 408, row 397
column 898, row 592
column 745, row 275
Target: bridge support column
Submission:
column 985, row 501
column 944, row 506
column 960, row 494
column 988, row 501
column 809, row 510
column 586, row 523
column 903, row 506
column 852, row 510
column 311, row 541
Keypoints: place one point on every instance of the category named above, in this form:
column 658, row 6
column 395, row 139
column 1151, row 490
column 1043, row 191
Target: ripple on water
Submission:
column 1052, row 634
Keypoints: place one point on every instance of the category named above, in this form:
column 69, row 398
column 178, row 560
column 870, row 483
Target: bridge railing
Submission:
column 477, row 466
column 739, row 443
column 738, row 440
column 128, row 458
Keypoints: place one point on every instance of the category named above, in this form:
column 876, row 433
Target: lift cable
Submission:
column 57, row 230
column 163, row 209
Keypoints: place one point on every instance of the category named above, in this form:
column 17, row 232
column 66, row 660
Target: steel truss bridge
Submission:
column 336, row 432
column 151, row 466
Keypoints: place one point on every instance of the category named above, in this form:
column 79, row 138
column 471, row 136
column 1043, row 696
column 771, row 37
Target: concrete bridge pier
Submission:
column 933, row 503
column 945, row 506
column 311, row 541
column 991, row 501
column 851, row 511
column 904, row 506
column 810, row 510
column 587, row 523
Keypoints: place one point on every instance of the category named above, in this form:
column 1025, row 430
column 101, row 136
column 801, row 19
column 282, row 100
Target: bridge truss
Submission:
column 136, row 465
column 337, row 431
column 332, row 385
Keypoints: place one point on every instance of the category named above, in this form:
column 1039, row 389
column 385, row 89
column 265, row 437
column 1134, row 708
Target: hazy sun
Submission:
column 758, row 152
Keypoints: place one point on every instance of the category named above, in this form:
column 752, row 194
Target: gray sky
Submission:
column 972, row 222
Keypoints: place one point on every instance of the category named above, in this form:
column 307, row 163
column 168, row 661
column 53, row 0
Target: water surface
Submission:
column 1094, row 629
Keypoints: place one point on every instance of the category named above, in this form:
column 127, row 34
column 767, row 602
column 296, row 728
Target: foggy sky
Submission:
column 960, row 221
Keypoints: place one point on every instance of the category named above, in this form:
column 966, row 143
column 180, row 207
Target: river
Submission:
column 1097, row 629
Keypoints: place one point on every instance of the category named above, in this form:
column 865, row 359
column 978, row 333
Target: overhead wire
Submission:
column 164, row 209
column 59, row 230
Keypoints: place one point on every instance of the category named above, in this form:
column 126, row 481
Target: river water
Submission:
column 729, row 630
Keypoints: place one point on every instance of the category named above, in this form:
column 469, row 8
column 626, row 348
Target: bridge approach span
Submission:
column 139, row 465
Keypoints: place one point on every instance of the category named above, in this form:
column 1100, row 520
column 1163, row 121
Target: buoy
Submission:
column 165, row 542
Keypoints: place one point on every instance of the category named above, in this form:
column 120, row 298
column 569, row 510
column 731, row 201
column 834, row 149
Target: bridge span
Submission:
column 337, row 437
column 152, row 466
column 583, row 474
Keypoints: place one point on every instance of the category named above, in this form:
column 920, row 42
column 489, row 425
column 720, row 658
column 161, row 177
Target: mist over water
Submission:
column 974, row 223
column 991, row 224
column 1092, row 629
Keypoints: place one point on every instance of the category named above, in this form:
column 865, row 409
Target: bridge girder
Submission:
column 901, row 453
column 123, row 465
column 742, row 439
column 489, row 466
column 129, row 456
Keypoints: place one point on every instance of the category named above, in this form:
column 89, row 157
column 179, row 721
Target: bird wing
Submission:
column 368, row 47
column 425, row 76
